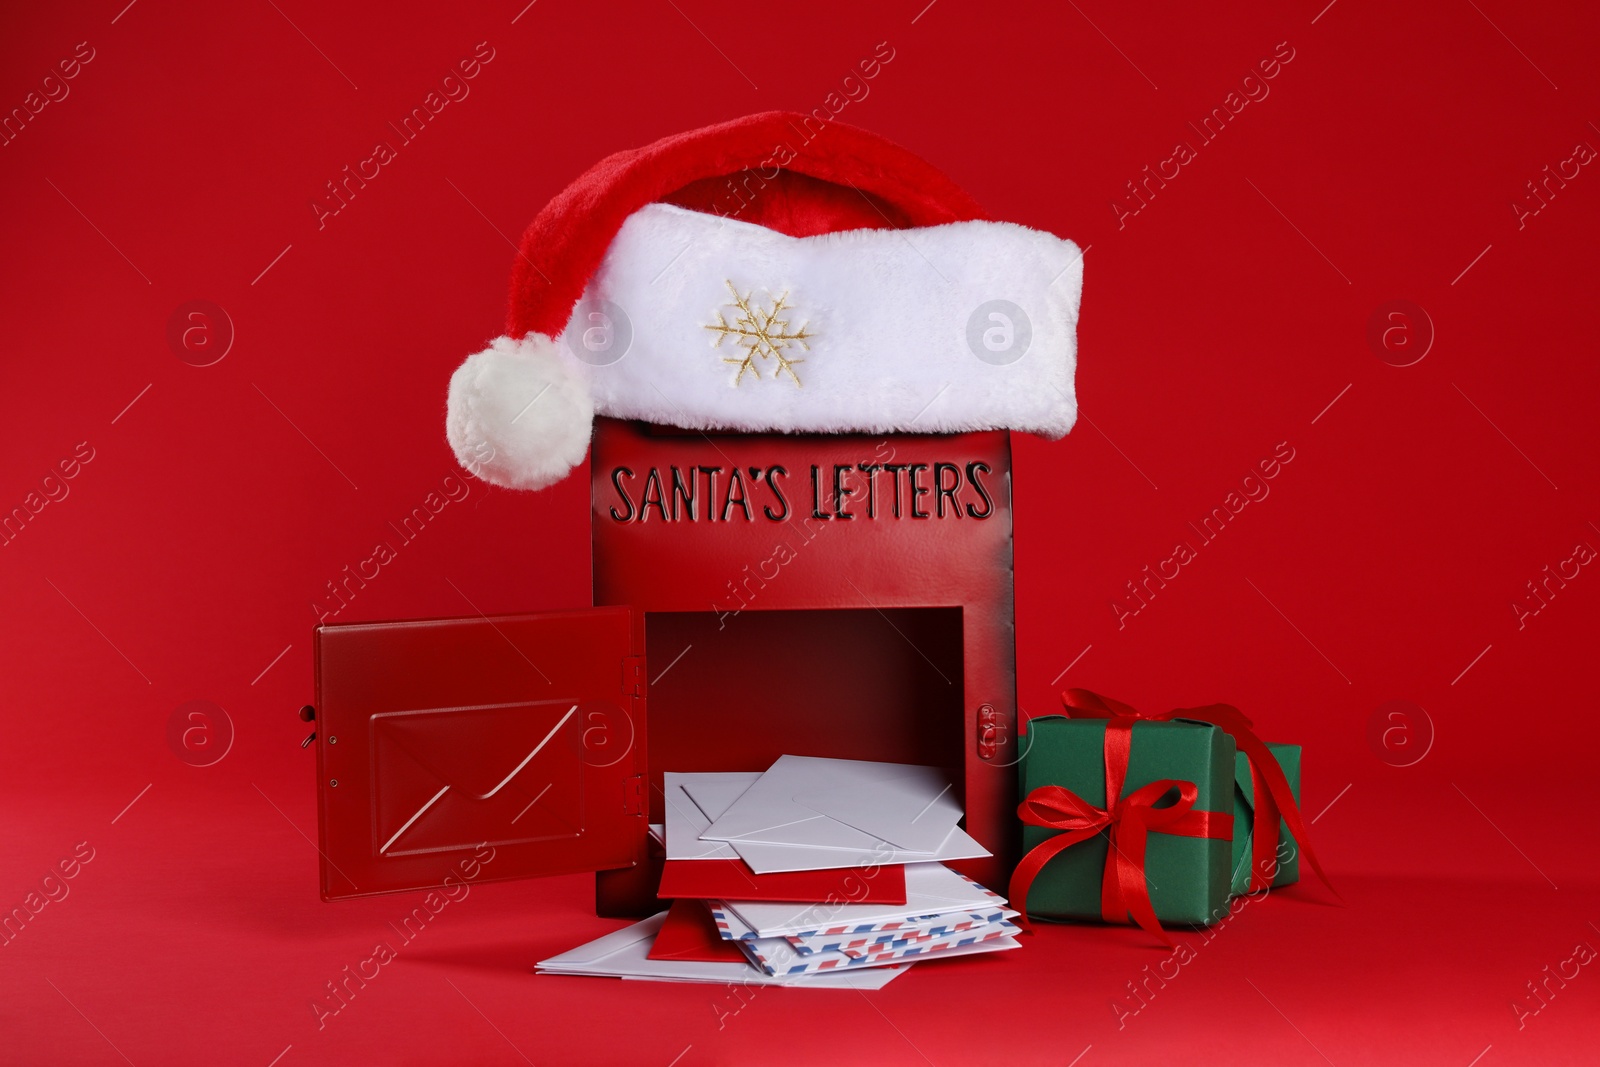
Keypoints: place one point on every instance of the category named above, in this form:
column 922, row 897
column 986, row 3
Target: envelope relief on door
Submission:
column 454, row 778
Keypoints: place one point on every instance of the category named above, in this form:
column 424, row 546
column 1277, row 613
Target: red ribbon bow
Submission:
column 1128, row 822
column 1274, row 799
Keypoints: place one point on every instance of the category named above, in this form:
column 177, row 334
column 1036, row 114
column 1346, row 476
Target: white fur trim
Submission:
column 892, row 316
column 518, row 415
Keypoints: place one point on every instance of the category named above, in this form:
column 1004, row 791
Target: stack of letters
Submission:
column 818, row 872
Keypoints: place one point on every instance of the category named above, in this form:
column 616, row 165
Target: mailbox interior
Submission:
column 852, row 683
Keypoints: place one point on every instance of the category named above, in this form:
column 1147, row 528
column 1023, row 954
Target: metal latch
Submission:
column 991, row 731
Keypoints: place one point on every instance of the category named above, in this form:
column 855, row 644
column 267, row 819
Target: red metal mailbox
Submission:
column 825, row 595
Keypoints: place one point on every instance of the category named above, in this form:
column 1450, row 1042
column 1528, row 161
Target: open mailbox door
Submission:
column 436, row 738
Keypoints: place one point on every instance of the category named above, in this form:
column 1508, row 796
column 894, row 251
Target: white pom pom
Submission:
column 518, row 414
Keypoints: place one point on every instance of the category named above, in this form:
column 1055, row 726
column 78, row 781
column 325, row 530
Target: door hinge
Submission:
column 634, row 685
column 633, row 678
column 633, row 795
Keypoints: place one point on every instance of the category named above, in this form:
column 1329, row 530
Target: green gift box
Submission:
column 1244, row 815
column 1187, row 877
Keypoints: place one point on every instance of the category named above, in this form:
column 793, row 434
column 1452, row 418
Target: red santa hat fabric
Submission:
column 720, row 279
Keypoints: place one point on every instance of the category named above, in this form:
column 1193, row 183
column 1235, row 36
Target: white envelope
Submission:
column 767, row 859
column 908, row 807
column 931, row 889
column 625, row 954
column 714, row 792
column 688, row 815
column 694, row 800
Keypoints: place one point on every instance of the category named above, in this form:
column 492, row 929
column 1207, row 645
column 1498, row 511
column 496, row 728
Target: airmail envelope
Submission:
column 844, row 804
column 777, row 956
column 908, row 946
column 865, row 942
column 625, row 954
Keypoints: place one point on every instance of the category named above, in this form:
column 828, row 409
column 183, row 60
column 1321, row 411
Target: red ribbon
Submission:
column 1128, row 823
column 1273, row 797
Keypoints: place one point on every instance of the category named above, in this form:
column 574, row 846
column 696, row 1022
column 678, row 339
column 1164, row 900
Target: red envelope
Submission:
column 689, row 934
column 732, row 880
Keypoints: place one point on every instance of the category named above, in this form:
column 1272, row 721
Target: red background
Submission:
column 1220, row 320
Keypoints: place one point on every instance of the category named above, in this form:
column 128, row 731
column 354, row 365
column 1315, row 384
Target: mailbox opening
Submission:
column 734, row 694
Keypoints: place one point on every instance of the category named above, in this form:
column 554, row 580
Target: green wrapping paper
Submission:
column 1244, row 799
column 1188, row 877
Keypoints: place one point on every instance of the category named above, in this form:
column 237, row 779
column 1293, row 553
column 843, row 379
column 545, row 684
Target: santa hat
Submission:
column 766, row 275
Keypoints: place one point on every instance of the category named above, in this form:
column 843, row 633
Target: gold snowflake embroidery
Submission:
column 761, row 332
